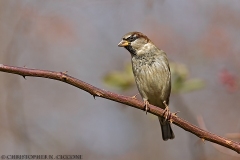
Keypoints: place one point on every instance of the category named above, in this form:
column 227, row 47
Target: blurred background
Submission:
column 42, row 116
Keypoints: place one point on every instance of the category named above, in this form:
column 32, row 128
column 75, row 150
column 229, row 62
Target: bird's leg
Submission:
column 166, row 111
column 146, row 103
column 135, row 96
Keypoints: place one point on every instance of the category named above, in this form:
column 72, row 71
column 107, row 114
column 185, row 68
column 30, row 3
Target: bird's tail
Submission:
column 167, row 132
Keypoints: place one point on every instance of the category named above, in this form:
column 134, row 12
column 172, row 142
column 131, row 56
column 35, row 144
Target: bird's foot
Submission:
column 167, row 114
column 174, row 115
column 146, row 103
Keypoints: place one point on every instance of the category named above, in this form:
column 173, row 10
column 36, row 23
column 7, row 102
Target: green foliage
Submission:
column 124, row 80
column 180, row 80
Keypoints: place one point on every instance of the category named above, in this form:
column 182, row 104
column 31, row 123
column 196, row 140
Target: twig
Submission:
column 96, row 92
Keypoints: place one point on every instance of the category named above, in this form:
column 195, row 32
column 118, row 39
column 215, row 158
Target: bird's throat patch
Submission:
column 131, row 50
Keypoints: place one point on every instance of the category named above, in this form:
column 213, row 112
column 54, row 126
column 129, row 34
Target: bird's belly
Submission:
column 150, row 90
column 153, row 85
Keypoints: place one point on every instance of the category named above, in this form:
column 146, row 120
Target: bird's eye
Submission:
column 132, row 38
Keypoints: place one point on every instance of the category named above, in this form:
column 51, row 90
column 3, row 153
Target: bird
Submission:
column 152, row 75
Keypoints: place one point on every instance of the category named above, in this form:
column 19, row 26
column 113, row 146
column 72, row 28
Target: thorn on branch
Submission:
column 228, row 142
column 135, row 96
column 24, row 77
column 63, row 75
column 99, row 94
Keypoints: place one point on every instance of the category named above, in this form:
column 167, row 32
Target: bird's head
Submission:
column 135, row 42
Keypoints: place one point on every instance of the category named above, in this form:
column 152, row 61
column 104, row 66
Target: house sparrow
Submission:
column 152, row 74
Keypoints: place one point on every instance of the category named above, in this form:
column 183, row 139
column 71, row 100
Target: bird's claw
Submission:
column 146, row 103
column 175, row 113
column 167, row 114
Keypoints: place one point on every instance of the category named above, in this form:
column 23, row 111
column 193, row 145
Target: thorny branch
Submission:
column 96, row 92
column 221, row 149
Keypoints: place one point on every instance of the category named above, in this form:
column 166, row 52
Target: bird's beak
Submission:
column 123, row 43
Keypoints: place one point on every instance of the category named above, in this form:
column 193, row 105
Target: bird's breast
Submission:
column 153, row 80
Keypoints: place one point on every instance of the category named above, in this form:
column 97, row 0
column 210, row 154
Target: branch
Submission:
column 96, row 92
column 201, row 123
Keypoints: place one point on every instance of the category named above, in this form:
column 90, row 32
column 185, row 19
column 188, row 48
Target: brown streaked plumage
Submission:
column 152, row 74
